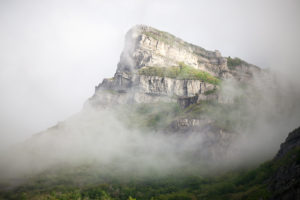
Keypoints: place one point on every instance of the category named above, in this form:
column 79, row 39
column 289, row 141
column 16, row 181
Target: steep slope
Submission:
column 285, row 182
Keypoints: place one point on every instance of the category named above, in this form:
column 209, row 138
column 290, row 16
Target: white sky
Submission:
column 53, row 53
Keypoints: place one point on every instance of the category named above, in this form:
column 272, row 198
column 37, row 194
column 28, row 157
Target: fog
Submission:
column 99, row 138
column 53, row 53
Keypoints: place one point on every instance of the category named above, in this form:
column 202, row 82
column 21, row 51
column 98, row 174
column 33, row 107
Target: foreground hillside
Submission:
column 275, row 179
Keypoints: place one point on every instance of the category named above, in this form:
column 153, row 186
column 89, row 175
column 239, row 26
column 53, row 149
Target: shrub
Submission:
column 234, row 62
column 208, row 92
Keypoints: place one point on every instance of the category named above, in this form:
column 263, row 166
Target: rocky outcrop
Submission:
column 148, row 47
column 291, row 142
column 285, row 183
column 147, row 89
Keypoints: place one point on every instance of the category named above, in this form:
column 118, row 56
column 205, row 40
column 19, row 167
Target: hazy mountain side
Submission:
column 131, row 139
column 276, row 179
column 176, row 116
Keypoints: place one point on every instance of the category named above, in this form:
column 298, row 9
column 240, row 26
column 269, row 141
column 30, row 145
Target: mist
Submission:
column 100, row 138
column 53, row 53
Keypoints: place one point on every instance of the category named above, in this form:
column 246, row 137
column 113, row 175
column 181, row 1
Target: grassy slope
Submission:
column 182, row 71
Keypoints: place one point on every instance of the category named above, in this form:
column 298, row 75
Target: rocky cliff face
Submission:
column 285, row 183
column 148, row 89
column 147, row 47
column 291, row 142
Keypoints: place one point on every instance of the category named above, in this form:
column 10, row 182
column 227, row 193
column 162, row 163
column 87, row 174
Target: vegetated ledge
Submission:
column 182, row 71
column 232, row 63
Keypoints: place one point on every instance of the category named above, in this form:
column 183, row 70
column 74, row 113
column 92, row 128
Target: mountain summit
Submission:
column 157, row 66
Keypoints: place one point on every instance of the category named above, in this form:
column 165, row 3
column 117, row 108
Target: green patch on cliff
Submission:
column 161, row 36
column 209, row 92
column 149, row 116
column 228, row 117
column 182, row 71
column 232, row 63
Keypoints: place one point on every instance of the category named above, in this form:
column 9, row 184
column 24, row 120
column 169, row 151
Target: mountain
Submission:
column 175, row 122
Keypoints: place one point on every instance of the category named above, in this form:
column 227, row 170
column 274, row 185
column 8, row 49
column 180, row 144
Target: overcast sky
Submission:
column 53, row 53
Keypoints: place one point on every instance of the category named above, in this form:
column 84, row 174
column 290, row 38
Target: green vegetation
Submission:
column 182, row 71
column 111, row 91
column 151, row 116
column 159, row 116
column 208, row 92
column 245, row 184
column 161, row 36
column 87, row 184
column 228, row 117
column 232, row 63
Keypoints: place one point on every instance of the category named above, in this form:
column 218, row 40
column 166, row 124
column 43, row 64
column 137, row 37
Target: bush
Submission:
column 234, row 62
column 130, row 198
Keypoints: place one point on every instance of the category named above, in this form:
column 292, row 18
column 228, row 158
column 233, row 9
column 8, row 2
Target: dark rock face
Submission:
column 285, row 183
column 184, row 102
column 291, row 142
